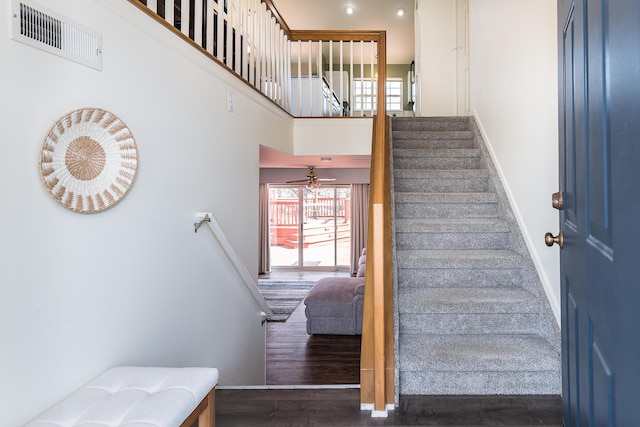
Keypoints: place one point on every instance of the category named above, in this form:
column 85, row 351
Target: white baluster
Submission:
column 330, row 78
column 169, row 12
column 351, row 77
column 310, row 80
column 197, row 22
column 362, row 97
column 184, row 17
column 319, row 101
column 373, row 89
column 152, row 5
column 209, row 30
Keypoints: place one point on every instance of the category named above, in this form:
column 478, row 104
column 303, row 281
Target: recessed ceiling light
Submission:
column 325, row 159
column 349, row 10
column 400, row 12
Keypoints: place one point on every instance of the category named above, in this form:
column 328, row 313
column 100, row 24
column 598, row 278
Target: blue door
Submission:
column 599, row 202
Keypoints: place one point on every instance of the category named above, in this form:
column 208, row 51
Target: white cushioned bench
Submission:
column 139, row 397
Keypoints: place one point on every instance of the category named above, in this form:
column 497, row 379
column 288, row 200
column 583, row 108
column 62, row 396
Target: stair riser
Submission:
column 446, row 210
column 470, row 323
column 480, row 383
column 436, row 163
column 447, row 185
column 458, row 278
column 432, row 143
column 431, row 124
column 416, row 240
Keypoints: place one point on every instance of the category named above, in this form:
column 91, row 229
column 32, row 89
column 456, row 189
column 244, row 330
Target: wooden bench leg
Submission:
column 205, row 412
column 208, row 417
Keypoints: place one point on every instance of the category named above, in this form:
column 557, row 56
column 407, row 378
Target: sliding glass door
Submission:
column 310, row 227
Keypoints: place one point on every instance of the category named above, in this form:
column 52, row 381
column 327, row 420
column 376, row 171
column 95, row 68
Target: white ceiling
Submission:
column 331, row 15
column 368, row 15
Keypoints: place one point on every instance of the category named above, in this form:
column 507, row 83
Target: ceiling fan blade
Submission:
column 326, row 179
column 297, row 180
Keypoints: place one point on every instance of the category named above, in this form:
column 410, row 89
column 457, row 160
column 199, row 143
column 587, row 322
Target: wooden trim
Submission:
column 279, row 19
column 327, row 35
column 377, row 370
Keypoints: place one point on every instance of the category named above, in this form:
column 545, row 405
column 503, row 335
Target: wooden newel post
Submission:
column 377, row 360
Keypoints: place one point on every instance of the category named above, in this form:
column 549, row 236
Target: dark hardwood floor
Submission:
column 295, row 358
column 335, row 407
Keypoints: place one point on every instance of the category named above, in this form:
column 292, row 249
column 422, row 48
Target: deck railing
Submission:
column 250, row 39
column 285, row 211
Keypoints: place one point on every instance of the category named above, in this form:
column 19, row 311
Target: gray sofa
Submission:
column 334, row 304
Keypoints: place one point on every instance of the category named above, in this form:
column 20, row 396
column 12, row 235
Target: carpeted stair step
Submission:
column 452, row 259
column 431, row 123
column 469, row 233
column 433, row 139
column 446, row 205
column 470, row 323
column 420, row 158
column 478, row 364
column 461, row 277
column 468, row 311
column 450, row 181
column 467, row 300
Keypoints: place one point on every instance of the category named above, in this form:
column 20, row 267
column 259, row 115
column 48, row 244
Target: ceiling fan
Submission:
column 312, row 179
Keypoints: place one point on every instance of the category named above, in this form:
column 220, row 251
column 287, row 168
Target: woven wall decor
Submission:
column 88, row 160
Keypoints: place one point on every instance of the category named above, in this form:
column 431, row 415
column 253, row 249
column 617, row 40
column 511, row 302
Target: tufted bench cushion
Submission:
column 138, row 397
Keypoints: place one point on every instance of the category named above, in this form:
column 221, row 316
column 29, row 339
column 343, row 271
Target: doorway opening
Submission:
column 310, row 228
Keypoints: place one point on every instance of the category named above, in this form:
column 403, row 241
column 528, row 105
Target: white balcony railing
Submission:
column 306, row 73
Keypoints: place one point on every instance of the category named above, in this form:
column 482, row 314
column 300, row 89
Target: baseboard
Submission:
column 546, row 283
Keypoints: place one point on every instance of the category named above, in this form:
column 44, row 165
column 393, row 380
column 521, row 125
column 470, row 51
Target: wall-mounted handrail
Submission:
column 239, row 266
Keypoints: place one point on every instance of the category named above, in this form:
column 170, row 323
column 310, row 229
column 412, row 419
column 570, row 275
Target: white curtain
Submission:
column 264, row 259
column 359, row 221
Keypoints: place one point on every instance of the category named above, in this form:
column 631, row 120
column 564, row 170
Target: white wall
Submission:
column 332, row 136
column 133, row 284
column 436, row 68
column 514, row 97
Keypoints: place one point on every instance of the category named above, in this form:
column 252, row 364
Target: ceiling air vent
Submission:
column 38, row 27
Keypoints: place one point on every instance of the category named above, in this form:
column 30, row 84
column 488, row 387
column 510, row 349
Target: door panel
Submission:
column 599, row 58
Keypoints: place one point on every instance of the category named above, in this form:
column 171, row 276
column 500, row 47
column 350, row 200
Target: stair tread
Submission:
column 462, row 197
column 455, row 225
column 466, row 300
column 440, row 173
column 458, row 258
column 431, row 134
column 472, row 353
column 436, row 152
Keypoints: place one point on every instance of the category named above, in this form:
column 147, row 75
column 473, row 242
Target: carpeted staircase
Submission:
column 472, row 317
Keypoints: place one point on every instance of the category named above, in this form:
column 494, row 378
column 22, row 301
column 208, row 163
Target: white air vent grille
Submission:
column 41, row 28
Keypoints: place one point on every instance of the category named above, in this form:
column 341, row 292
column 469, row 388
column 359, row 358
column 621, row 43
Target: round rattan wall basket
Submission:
column 88, row 160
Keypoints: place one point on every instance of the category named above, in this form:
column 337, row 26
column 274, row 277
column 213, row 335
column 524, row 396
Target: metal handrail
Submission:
column 239, row 266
